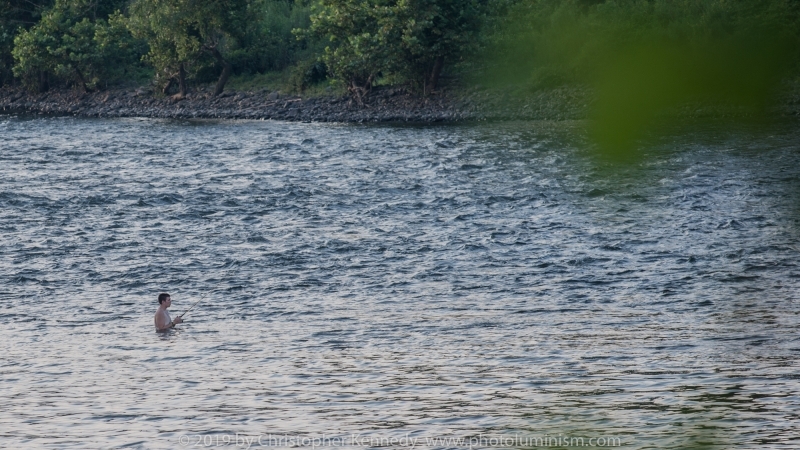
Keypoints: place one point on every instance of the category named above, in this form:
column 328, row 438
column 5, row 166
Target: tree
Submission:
column 181, row 32
column 409, row 38
column 70, row 44
column 16, row 16
column 437, row 30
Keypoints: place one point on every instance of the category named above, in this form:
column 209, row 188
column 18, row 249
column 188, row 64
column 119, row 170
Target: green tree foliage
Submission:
column 407, row 38
column 267, row 42
column 167, row 29
column 16, row 16
column 71, row 45
column 538, row 43
column 183, row 34
column 85, row 43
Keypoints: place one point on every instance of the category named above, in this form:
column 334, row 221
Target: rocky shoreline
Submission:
column 382, row 105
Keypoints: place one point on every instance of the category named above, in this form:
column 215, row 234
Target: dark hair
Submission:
column 162, row 297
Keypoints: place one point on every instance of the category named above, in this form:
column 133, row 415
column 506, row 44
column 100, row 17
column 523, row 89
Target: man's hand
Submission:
column 177, row 320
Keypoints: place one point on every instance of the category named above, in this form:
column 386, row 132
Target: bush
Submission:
column 306, row 74
column 273, row 46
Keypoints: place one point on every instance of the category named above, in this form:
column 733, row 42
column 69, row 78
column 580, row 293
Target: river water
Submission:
column 368, row 284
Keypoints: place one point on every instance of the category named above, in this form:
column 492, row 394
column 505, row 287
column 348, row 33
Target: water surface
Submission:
column 395, row 281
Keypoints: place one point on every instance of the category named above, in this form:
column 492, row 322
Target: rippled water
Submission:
column 395, row 281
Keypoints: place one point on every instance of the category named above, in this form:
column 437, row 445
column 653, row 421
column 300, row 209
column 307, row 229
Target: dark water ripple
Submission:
column 441, row 281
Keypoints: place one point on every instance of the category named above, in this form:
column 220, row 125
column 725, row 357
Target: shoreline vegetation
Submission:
column 626, row 64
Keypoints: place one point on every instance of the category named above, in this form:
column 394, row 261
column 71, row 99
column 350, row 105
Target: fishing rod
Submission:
column 195, row 304
column 201, row 298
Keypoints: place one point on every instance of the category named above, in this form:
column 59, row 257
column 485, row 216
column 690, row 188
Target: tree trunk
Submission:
column 168, row 86
column 360, row 92
column 182, row 80
column 437, row 70
column 44, row 85
column 226, row 71
column 82, row 80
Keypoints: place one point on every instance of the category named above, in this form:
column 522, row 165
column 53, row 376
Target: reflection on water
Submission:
column 394, row 282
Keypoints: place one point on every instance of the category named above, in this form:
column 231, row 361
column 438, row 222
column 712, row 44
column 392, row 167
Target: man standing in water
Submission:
column 163, row 322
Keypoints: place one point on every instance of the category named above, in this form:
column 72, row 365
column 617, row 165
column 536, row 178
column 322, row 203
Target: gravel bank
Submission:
column 383, row 105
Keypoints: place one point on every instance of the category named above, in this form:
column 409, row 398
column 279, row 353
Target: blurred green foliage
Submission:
column 542, row 43
column 647, row 58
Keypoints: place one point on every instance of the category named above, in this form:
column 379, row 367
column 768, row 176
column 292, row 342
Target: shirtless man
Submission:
column 163, row 322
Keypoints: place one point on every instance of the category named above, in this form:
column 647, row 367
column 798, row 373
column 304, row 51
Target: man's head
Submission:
column 164, row 299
